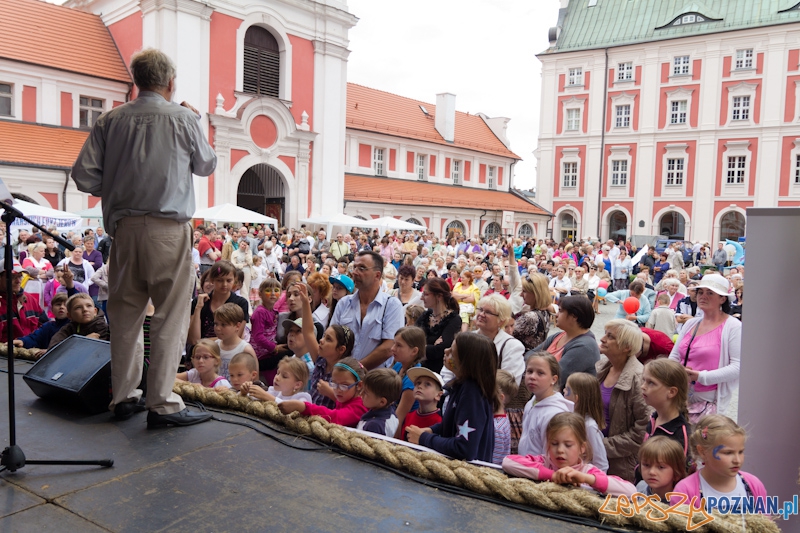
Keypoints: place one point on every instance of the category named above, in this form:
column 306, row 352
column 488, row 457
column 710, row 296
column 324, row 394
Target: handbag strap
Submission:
column 500, row 355
column 689, row 348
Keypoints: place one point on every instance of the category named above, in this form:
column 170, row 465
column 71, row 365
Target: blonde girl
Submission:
column 718, row 443
column 289, row 384
column 408, row 350
column 583, row 390
column 541, row 378
column 206, row 361
column 347, row 382
column 568, row 459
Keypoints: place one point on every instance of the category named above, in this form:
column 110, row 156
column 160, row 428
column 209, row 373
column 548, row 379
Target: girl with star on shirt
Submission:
column 467, row 427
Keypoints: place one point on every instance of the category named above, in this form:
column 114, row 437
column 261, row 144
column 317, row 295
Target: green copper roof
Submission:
column 620, row 22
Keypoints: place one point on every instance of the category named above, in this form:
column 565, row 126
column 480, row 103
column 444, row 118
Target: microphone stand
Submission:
column 12, row 458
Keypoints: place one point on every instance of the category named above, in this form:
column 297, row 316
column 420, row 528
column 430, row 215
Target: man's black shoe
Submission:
column 181, row 418
column 123, row 411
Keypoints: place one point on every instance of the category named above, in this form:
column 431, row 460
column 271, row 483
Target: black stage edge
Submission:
column 217, row 477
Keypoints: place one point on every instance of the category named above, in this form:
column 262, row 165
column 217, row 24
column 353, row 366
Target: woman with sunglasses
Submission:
column 710, row 347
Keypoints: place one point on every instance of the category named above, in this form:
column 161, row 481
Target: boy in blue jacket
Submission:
column 40, row 338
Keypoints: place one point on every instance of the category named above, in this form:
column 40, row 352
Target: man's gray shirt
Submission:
column 140, row 157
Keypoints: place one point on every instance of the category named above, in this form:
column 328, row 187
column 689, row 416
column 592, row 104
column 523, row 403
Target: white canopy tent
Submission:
column 93, row 212
column 45, row 216
column 233, row 213
column 337, row 221
column 390, row 223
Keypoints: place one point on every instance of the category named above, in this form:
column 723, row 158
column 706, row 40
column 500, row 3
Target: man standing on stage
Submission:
column 140, row 157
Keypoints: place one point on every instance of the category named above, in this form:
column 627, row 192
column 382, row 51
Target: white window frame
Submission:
column 619, row 154
column 619, row 172
column 569, row 176
column 675, row 173
column 680, row 172
column 737, row 152
column 682, row 65
column 678, row 111
column 736, row 171
column 10, row 96
column 455, row 172
column 744, row 59
column 573, row 103
column 90, row 109
column 379, row 161
column 422, row 167
column 622, row 116
column 679, row 95
column 625, row 71
column 575, row 77
column 620, row 101
column 796, row 168
column 737, row 91
column 740, row 108
column 573, row 121
column 569, row 155
column 490, row 175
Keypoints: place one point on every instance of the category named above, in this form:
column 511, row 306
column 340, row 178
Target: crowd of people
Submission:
column 446, row 343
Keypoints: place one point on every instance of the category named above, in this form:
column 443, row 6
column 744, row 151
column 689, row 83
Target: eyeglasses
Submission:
column 362, row 268
column 202, row 357
column 483, row 311
column 341, row 387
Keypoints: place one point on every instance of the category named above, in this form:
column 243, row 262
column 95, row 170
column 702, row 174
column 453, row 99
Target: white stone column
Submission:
column 329, row 115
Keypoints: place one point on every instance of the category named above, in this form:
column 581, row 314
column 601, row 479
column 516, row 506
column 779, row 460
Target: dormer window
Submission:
column 685, row 19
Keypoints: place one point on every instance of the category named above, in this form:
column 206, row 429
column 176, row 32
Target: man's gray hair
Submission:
column 152, row 69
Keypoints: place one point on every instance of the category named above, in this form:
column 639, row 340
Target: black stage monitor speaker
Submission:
column 76, row 371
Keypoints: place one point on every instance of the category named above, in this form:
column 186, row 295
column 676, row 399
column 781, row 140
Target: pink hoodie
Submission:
column 540, row 468
column 690, row 486
column 345, row 414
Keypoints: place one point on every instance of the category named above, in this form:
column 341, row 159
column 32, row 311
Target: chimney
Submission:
column 446, row 116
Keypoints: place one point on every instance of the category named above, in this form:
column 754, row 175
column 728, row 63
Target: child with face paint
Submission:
column 718, row 443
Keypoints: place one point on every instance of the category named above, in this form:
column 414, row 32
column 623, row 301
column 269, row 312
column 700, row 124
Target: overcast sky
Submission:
column 483, row 51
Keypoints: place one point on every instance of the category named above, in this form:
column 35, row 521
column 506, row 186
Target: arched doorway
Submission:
column 261, row 190
column 617, row 226
column 525, row 231
column 569, row 227
column 455, row 228
column 492, row 230
column 672, row 225
column 731, row 226
column 414, row 221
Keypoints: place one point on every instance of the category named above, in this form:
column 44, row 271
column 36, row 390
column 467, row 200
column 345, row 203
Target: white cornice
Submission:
column 184, row 6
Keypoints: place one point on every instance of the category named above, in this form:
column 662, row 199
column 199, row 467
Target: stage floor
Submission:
column 214, row 477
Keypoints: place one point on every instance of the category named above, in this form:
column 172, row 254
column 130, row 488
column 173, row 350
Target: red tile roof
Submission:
column 59, row 37
column 33, row 144
column 408, row 192
column 382, row 112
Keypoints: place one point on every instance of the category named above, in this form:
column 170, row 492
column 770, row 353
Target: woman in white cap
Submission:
column 709, row 347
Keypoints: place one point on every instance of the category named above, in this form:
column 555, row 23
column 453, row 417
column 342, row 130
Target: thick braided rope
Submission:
column 20, row 353
column 482, row 480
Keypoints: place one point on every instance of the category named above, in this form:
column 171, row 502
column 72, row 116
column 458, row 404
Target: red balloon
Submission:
column 631, row 305
column 603, row 283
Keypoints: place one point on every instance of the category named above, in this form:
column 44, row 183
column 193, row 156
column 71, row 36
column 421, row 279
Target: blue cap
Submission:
column 345, row 282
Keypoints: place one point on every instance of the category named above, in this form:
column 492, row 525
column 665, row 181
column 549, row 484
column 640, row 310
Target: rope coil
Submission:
column 21, row 353
column 478, row 479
